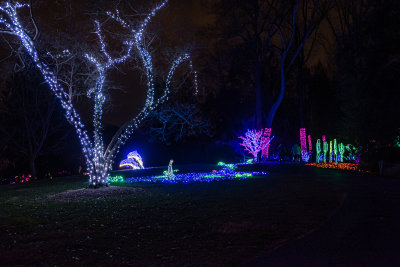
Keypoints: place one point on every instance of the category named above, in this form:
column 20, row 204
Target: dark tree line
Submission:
column 342, row 83
column 32, row 128
column 367, row 69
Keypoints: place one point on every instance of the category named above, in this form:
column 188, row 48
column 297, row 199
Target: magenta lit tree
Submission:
column 255, row 141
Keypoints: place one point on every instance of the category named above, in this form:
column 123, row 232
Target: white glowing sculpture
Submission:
column 134, row 161
column 98, row 159
column 170, row 172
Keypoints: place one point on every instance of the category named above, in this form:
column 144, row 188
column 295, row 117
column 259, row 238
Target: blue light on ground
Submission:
column 227, row 173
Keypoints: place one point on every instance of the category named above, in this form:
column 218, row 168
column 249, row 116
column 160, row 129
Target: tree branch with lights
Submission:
column 99, row 158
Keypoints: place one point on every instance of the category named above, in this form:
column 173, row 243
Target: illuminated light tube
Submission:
column 267, row 136
column 326, row 149
column 318, row 150
column 335, row 149
column 341, row 151
column 303, row 140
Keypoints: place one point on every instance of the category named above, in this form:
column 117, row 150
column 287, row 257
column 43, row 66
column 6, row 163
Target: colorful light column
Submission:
column 335, row 150
column 330, row 151
column 267, row 136
column 341, row 151
column 309, row 144
column 318, row 150
column 303, row 140
column 325, row 146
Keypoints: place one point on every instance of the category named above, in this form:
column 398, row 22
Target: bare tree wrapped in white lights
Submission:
column 99, row 158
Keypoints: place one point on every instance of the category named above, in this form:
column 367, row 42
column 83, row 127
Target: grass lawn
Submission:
column 217, row 223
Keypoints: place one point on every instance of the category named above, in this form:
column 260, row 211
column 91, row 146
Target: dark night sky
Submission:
column 181, row 20
column 178, row 23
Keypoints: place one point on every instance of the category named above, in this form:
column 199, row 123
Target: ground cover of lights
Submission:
column 228, row 172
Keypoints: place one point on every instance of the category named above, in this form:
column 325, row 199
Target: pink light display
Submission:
column 323, row 139
column 254, row 142
column 303, row 140
column 309, row 143
column 267, row 136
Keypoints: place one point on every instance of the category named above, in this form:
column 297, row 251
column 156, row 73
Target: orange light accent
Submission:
column 339, row 166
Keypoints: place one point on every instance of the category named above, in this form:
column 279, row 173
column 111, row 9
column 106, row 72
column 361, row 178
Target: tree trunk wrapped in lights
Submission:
column 267, row 136
column 303, row 141
column 98, row 158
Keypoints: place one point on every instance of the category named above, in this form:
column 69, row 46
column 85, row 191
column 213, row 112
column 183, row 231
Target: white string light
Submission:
column 99, row 161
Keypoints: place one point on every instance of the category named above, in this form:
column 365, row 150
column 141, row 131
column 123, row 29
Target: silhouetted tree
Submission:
column 32, row 125
column 367, row 64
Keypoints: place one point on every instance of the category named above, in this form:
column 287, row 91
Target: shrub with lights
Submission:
column 23, row 178
column 99, row 158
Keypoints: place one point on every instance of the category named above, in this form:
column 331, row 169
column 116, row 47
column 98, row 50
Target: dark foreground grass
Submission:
column 216, row 223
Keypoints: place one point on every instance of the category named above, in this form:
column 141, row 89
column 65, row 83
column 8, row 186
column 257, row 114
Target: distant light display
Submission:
column 326, row 149
column 341, row 152
column 303, row 140
column 397, row 142
column 305, row 156
column 340, row 166
column 309, row 144
column 335, row 149
column 134, row 161
column 24, row 178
